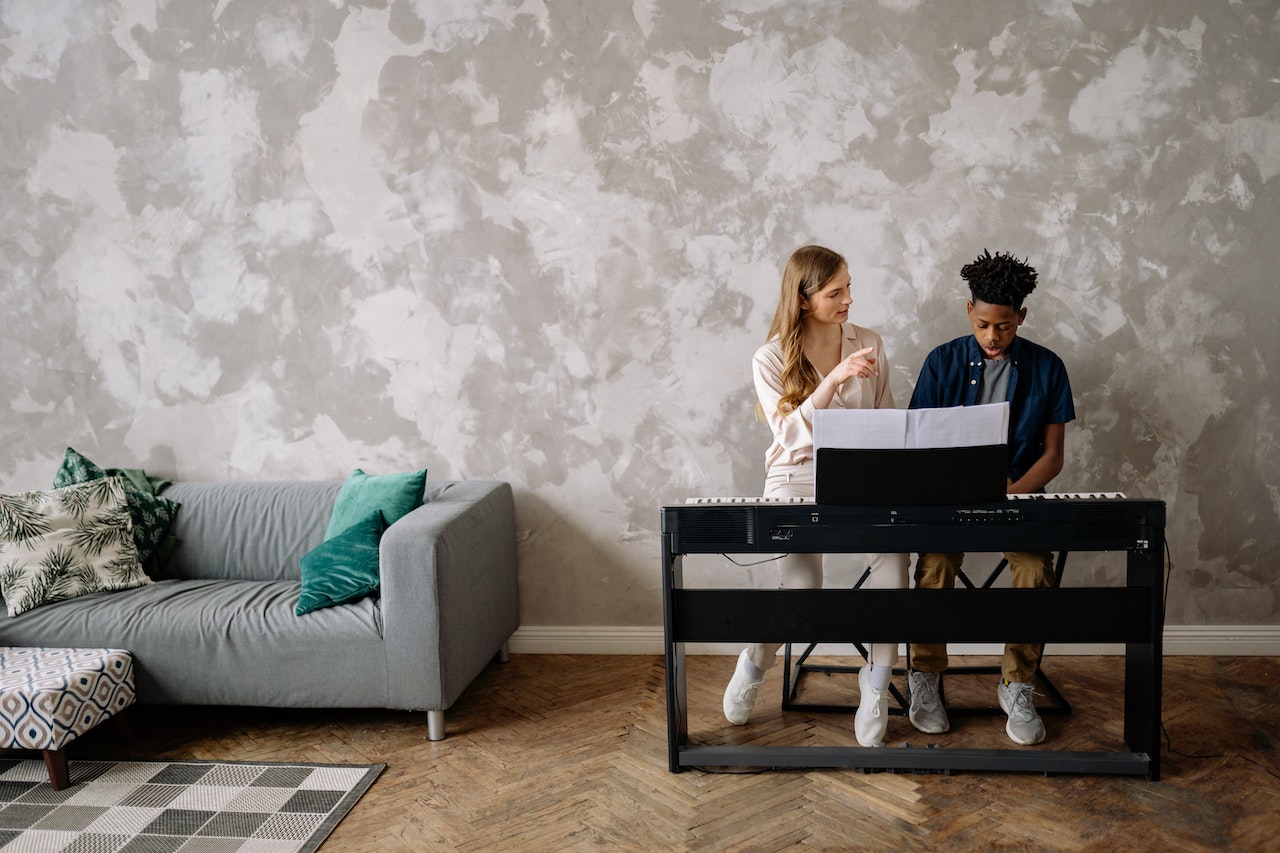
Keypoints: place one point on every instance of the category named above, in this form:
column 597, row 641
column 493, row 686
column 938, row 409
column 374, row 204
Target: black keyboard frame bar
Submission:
column 1131, row 614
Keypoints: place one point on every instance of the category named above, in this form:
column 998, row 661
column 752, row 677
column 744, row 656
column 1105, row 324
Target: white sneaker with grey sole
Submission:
column 1024, row 726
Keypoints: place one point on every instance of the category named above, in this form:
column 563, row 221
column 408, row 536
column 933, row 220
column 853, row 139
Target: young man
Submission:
column 990, row 366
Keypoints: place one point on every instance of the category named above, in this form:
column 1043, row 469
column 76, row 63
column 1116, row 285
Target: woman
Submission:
column 815, row 359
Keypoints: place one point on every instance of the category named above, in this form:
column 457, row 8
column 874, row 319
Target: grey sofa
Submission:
column 218, row 626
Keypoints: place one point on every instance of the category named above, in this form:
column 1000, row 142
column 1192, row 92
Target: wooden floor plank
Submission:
column 559, row 752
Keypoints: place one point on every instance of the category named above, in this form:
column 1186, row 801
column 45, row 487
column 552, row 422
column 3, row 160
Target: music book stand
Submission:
column 910, row 476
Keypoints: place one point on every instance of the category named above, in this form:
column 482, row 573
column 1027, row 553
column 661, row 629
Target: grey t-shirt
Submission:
column 995, row 380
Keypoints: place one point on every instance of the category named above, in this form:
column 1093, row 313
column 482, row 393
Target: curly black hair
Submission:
column 999, row 279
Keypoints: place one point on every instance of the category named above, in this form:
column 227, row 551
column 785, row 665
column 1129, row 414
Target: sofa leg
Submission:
column 504, row 653
column 435, row 725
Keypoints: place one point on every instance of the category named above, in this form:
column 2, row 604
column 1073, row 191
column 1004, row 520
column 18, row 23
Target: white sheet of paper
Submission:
column 860, row 429
column 898, row 429
column 962, row 426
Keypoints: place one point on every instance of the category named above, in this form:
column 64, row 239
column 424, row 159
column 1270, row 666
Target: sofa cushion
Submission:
column 67, row 542
column 152, row 515
column 343, row 568
column 248, row 530
column 225, row 642
column 393, row 494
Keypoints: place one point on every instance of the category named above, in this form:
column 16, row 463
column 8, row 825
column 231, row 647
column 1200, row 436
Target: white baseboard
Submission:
column 1214, row 640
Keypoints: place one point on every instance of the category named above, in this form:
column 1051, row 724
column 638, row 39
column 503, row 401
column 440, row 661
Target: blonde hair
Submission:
column 808, row 269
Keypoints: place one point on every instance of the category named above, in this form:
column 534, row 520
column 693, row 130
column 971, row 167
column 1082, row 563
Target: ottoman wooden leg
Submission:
column 55, row 761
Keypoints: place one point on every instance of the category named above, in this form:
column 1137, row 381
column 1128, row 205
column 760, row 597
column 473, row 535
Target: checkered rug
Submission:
column 166, row 806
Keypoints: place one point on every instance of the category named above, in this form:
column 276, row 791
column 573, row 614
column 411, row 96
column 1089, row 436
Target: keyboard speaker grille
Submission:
column 726, row 526
column 1093, row 523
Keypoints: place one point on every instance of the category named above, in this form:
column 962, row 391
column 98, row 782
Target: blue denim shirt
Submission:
column 1039, row 391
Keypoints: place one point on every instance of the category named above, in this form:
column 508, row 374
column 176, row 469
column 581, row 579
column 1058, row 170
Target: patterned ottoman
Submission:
column 49, row 697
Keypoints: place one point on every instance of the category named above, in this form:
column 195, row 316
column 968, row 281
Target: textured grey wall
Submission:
column 539, row 241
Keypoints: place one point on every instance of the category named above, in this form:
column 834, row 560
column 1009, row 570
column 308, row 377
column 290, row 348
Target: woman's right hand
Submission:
column 860, row 365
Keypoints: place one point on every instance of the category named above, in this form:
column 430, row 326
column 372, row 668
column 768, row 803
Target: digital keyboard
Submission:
column 1045, row 522
column 1040, row 496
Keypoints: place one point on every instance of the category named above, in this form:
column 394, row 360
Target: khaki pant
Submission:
column 1030, row 570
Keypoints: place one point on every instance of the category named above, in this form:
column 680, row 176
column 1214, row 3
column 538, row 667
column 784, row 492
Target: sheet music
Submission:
column 960, row 426
column 901, row 429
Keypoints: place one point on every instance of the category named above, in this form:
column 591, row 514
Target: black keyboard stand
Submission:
column 1131, row 614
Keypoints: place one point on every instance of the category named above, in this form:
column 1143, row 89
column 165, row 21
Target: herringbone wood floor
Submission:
column 550, row 752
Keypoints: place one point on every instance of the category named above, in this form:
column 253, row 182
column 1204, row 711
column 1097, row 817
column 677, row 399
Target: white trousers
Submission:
column 804, row 571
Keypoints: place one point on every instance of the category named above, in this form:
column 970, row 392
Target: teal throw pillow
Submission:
column 152, row 515
column 343, row 568
column 361, row 494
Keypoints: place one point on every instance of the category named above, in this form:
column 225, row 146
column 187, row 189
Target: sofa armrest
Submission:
column 449, row 592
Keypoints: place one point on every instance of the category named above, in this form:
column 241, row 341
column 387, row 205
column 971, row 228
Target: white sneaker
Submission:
column 740, row 695
column 1024, row 726
column 871, row 723
column 927, row 712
